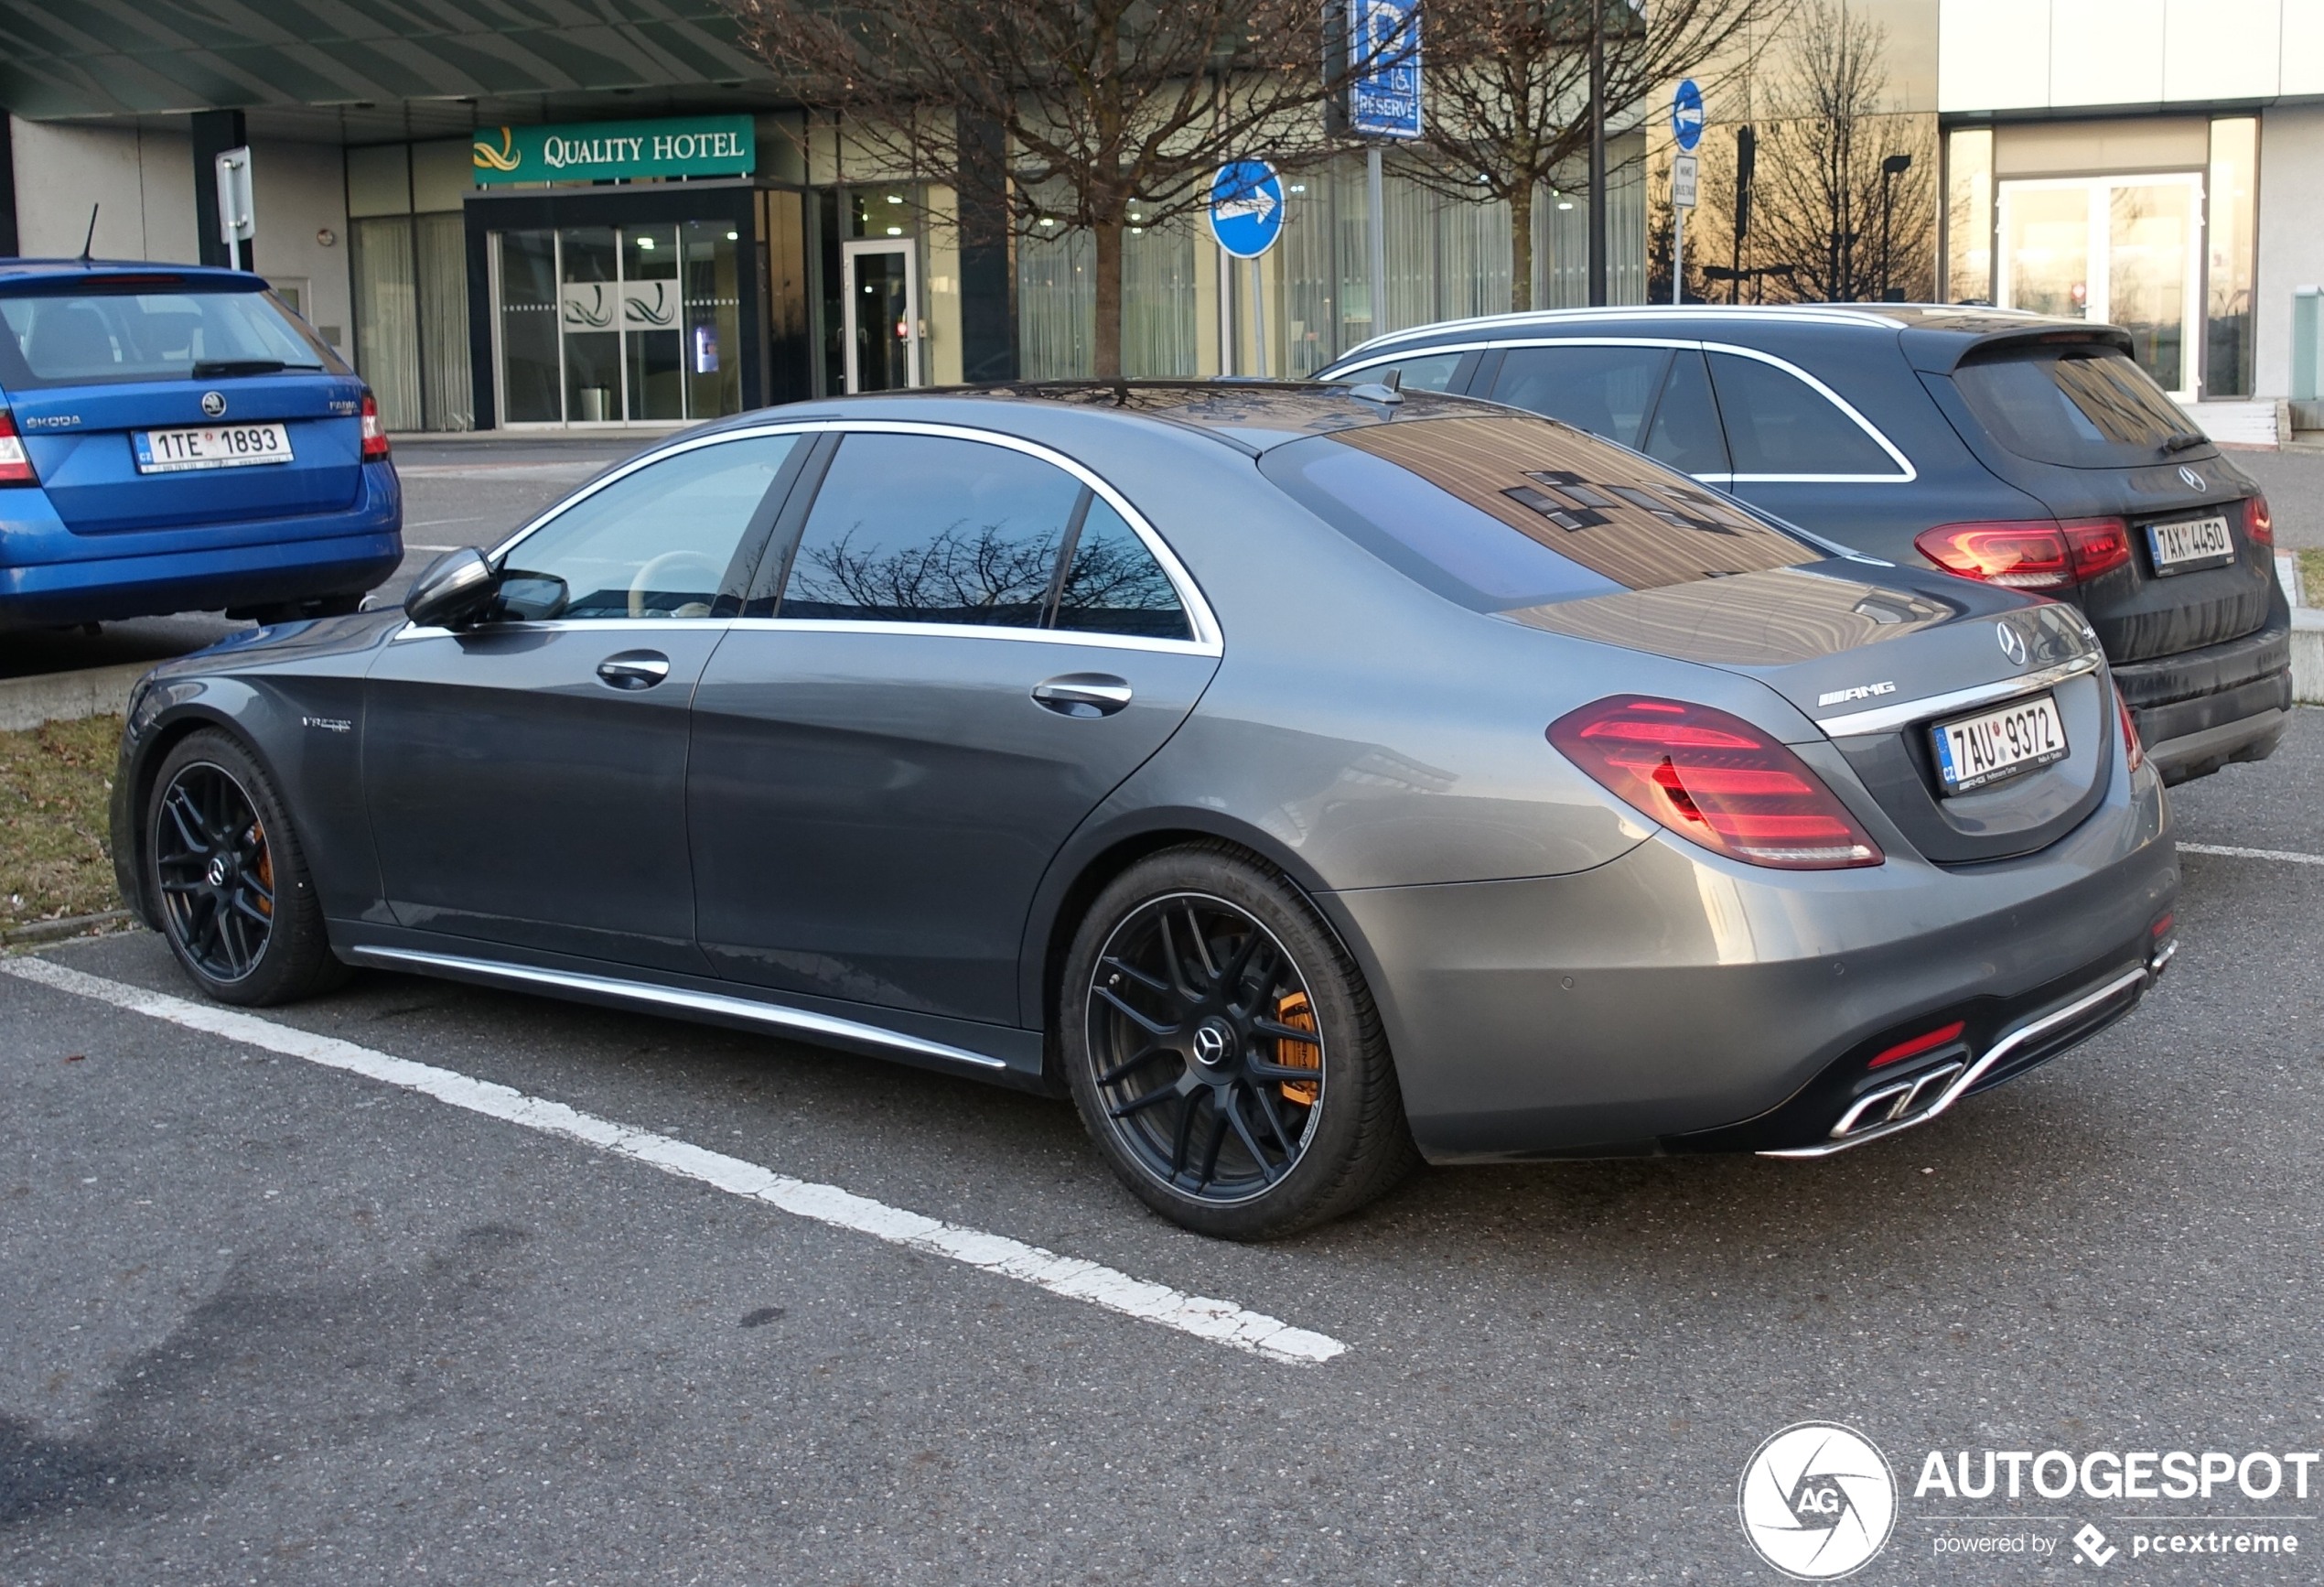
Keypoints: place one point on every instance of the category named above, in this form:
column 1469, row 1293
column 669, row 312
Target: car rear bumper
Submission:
column 1671, row 1001
column 2200, row 708
column 101, row 590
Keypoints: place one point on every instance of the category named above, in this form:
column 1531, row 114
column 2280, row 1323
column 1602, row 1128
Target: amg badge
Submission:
column 1861, row 692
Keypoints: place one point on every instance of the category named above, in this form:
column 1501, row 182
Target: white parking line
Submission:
column 2286, row 855
column 1221, row 1321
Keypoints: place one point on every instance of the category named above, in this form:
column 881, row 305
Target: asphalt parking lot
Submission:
column 275, row 1316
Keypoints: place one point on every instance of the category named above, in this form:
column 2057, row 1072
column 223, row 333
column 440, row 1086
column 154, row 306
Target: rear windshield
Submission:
column 105, row 338
column 1499, row 514
column 2086, row 407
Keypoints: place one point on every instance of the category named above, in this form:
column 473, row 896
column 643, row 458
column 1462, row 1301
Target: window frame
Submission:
column 1907, row 475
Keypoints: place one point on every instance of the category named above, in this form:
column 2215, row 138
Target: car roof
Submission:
column 1937, row 336
column 1252, row 417
column 67, row 271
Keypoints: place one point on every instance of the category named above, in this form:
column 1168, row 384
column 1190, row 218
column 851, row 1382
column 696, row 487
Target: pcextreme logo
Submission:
column 1817, row 1501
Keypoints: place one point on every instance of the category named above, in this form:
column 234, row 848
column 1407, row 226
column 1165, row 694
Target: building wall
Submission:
column 299, row 191
column 1998, row 55
column 2291, row 233
column 142, row 183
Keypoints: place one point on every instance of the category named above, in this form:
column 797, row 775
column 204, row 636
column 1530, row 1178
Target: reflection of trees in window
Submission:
column 984, row 576
column 1115, row 586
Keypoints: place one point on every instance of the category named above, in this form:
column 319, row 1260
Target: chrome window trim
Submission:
column 1209, row 639
column 1896, row 455
column 2145, row 974
column 1886, row 719
column 975, row 631
column 786, row 1019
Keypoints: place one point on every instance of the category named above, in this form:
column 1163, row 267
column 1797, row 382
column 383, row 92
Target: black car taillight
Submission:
column 1714, row 780
column 2037, row 553
column 15, row 463
column 375, row 433
column 2259, row 523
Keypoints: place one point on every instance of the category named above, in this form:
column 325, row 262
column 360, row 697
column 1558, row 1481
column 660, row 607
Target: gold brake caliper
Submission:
column 265, row 867
column 1294, row 1010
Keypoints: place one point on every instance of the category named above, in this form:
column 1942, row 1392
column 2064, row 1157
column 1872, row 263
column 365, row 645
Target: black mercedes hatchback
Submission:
column 2010, row 447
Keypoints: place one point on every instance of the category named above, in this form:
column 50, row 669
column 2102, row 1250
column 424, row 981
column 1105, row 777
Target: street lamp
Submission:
column 1892, row 168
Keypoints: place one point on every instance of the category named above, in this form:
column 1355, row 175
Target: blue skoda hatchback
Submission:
column 173, row 439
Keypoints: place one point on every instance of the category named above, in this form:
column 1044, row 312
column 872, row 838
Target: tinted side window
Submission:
column 1115, row 586
column 1778, row 424
column 653, row 544
column 929, row 529
column 1432, row 372
column 1604, row 390
column 1686, row 432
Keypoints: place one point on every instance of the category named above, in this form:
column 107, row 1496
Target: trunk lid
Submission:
column 2066, row 416
column 82, row 444
column 1879, row 659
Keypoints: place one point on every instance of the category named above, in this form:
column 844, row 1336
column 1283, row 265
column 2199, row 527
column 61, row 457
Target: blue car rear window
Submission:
column 1499, row 514
column 102, row 338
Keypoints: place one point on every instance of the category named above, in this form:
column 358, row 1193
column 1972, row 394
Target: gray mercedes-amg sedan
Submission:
column 1305, row 778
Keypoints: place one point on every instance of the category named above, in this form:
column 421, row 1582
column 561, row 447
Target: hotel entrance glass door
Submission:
column 617, row 325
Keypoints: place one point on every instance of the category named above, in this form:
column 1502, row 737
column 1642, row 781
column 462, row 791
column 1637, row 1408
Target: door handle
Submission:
column 634, row 669
column 1083, row 694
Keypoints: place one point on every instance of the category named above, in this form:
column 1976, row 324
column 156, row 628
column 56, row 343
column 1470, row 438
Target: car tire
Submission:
column 229, row 879
column 1192, row 1084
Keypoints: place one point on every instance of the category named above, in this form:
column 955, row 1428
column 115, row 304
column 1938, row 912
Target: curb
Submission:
column 53, row 931
column 66, row 697
column 2308, row 655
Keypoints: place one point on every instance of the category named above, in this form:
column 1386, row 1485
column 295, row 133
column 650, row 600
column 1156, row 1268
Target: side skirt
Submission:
column 1010, row 1057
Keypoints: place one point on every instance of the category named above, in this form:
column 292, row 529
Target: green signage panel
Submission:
column 695, row 146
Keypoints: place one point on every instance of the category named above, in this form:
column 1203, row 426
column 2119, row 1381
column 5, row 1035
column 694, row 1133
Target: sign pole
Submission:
column 1686, row 129
column 1259, row 312
column 1373, row 189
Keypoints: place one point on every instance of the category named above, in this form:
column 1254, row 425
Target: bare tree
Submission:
column 1509, row 89
column 1088, row 115
column 1833, row 199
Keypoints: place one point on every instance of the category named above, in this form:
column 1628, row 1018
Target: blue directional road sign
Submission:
column 1246, row 208
column 1687, row 116
column 1383, row 58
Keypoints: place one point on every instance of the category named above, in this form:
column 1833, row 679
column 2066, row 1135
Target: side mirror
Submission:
column 450, row 589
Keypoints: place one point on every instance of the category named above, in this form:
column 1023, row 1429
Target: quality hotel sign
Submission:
column 706, row 146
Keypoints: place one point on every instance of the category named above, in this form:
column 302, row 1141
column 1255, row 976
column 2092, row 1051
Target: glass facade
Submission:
column 599, row 325
column 1447, row 258
column 2233, row 234
column 407, row 265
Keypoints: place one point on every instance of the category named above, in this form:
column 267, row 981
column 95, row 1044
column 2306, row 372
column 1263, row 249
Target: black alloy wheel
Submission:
column 226, row 879
column 215, row 872
column 1223, row 1050
column 1213, row 1068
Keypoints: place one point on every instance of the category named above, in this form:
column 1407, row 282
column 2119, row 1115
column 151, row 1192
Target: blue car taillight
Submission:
column 15, row 463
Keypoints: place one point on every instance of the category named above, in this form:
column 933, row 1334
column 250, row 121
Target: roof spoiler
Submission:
column 1943, row 351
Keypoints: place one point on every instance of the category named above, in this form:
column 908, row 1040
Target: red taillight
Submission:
column 15, row 464
column 2131, row 746
column 2038, row 555
column 374, row 433
column 1716, row 780
column 2259, row 523
column 1918, row 1045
